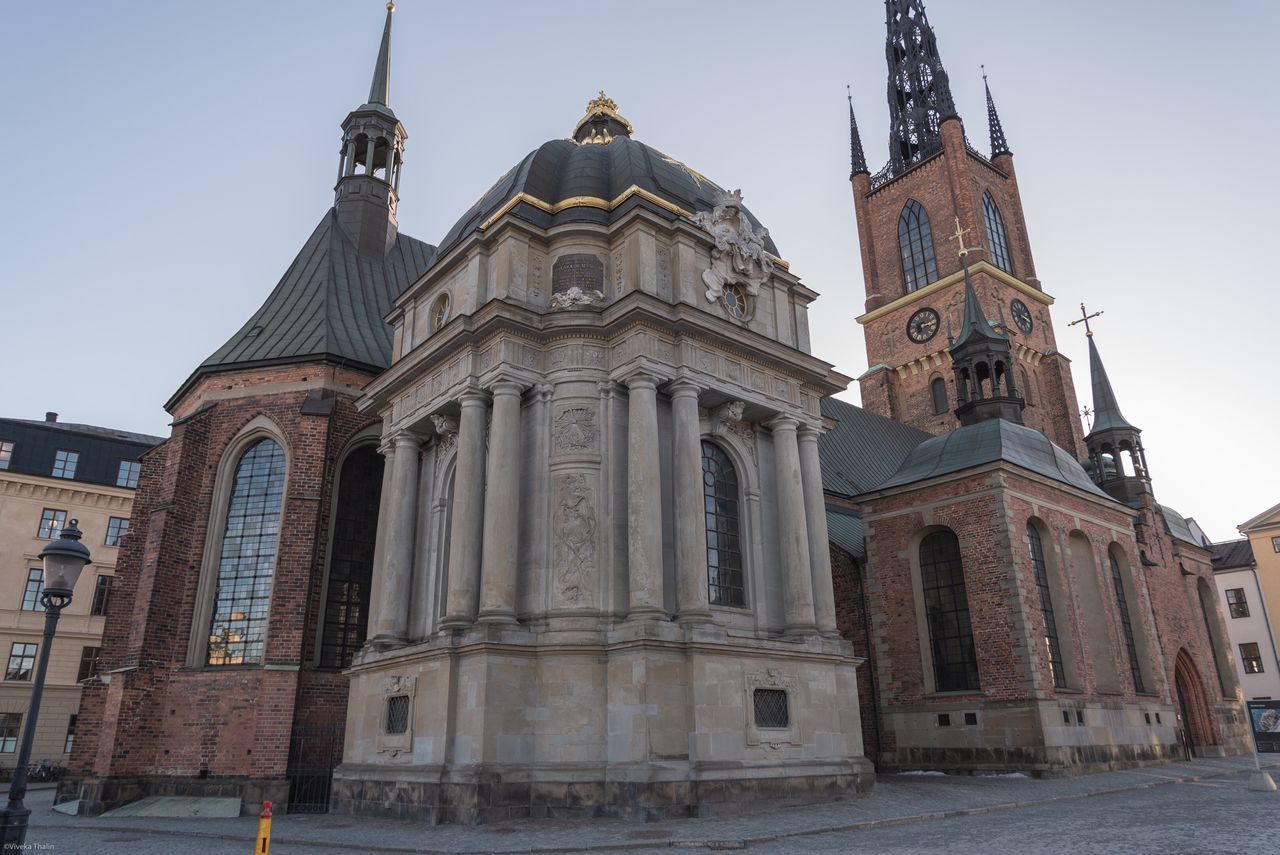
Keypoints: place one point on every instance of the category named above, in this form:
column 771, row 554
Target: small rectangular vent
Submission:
column 944, row 719
column 971, row 718
column 771, row 708
column 398, row 714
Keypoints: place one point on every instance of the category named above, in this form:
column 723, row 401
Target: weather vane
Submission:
column 958, row 237
column 1084, row 319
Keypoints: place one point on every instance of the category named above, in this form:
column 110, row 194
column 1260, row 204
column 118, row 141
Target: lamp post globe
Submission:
column 63, row 561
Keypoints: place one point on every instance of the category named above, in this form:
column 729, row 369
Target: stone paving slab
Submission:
column 179, row 806
column 897, row 800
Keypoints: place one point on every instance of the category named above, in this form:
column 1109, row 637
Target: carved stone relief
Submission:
column 577, row 279
column 535, row 275
column 575, row 429
column 575, row 545
column 746, row 433
column 739, row 255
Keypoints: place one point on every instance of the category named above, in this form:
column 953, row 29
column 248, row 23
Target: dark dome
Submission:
column 563, row 170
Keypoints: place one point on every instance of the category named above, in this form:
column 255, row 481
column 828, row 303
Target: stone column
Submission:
column 397, row 571
column 815, row 511
column 644, row 500
column 350, row 166
column 465, row 544
column 502, row 508
column 368, row 157
column 690, row 519
column 793, row 535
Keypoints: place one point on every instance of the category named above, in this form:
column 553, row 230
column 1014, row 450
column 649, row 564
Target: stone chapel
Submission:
column 559, row 517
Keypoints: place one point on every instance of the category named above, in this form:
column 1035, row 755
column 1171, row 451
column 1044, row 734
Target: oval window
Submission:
column 440, row 314
column 735, row 302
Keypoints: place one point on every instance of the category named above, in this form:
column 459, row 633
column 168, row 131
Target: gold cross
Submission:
column 1088, row 414
column 1084, row 319
column 958, row 237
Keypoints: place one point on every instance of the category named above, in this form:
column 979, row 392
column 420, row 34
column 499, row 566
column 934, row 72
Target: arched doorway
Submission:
column 1195, row 723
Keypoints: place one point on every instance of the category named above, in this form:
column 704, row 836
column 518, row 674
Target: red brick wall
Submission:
column 160, row 717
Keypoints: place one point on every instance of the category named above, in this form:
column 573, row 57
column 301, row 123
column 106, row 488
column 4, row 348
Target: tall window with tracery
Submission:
column 995, row 234
column 355, row 525
column 247, row 560
column 915, row 241
column 946, row 604
column 1046, row 607
column 725, row 585
column 1126, row 624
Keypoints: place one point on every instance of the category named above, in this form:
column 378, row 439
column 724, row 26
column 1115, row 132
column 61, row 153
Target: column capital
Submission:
column 683, row 388
column 506, row 386
column 782, row 422
column 405, row 439
column 641, row 381
column 473, row 397
column 810, row 433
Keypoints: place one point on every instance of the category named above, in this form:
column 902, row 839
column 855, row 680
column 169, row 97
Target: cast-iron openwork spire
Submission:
column 857, row 160
column 919, row 93
column 999, row 145
column 380, row 87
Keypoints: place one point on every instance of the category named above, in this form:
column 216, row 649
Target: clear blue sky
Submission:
column 166, row 160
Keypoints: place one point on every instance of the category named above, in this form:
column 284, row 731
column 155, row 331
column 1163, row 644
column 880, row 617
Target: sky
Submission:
column 168, row 159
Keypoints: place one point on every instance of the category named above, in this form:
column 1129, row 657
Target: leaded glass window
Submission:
column 1122, row 603
column 938, row 391
column 725, row 585
column 955, row 662
column 237, row 633
column 995, row 234
column 355, row 526
column 1046, row 607
column 915, row 241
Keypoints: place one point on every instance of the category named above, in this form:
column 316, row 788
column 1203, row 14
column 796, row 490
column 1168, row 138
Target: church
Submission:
column 559, row 516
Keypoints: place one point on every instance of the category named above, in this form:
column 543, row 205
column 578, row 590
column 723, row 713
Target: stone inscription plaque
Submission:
column 580, row 270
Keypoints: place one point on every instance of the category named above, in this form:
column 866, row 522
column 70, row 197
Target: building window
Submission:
column 737, row 302
column 10, row 730
column 128, row 474
column 955, row 663
column 102, row 595
column 1251, row 657
column 938, row 389
column 1236, row 603
column 31, row 594
column 1046, row 607
column 64, row 463
column 246, row 564
column 995, row 233
column 1275, row 543
column 440, row 312
column 51, row 523
column 6, row 454
column 346, row 611
column 117, row 527
column 22, row 658
column 70, row 741
column 398, row 714
column 771, row 708
column 915, row 241
column 1126, row 624
column 725, row 585
column 88, row 664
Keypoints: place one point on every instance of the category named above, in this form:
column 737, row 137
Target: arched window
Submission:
column 355, row 526
column 946, row 604
column 1046, row 607
column 915, row 240
column 1126, row 623
column 725, row 585
column 938, row 389
column 247, row 560
column 995, row 234
column 1024, row 380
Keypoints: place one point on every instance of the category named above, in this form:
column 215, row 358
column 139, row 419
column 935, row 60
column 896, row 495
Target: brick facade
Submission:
column 156, row 723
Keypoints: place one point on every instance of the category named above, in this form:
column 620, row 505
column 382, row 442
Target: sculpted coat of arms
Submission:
column 739, row 255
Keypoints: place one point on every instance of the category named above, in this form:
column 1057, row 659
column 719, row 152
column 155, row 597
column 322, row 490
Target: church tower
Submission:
column 1117, row 461
column 937, row 205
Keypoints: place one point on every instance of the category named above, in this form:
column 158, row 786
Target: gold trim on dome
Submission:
column 602, row 105
column 598, row 137
column 946, row 281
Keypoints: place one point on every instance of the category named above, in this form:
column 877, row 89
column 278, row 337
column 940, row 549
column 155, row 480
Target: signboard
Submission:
column 1264, row 717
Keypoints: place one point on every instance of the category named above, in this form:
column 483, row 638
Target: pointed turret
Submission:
column 919, row 91
column 983, row 364
column 1117, row 461
column 369, row 164
column 857, row 160
column 999, row 145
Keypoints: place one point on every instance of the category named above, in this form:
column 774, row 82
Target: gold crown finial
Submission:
column 602, row 105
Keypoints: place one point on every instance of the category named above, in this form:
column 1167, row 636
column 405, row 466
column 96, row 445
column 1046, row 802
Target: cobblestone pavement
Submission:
column 1200, row 806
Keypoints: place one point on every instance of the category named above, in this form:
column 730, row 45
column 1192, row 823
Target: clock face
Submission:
column 922, row 326
column 1021, row 316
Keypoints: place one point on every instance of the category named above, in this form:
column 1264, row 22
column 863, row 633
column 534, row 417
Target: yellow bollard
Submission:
column 262, row 845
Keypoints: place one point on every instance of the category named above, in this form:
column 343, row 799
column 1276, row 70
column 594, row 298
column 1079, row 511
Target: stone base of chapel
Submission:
column 481, row 795
column 98, row 795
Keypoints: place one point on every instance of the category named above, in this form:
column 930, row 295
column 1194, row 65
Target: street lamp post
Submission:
column 63, row 560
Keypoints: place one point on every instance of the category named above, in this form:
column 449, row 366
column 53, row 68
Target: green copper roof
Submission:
column 1106, row 412
column 380, row 87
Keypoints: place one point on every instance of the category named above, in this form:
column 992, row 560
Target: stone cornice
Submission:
column 947, row 281
column 68, row 493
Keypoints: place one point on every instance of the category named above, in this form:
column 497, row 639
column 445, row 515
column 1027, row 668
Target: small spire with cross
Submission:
column 958, row 237
column 1084, row 319
column 1088, row 417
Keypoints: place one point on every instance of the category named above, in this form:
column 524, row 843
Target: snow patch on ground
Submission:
column 1002, row 775
column 925, row 773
